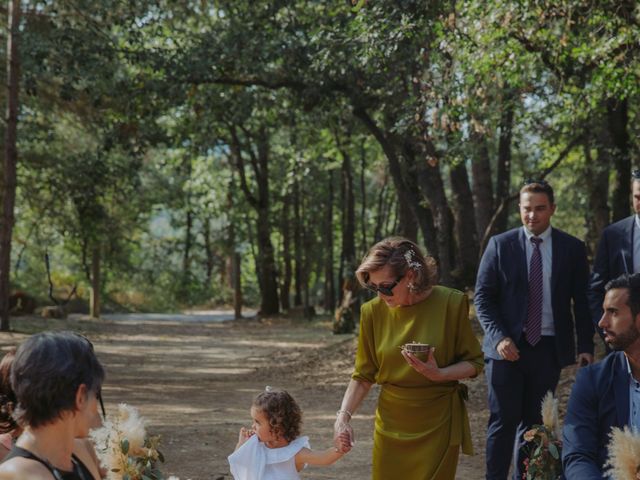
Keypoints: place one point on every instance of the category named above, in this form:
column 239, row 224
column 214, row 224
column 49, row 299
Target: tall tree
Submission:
column 9, row 179
column 256, row 148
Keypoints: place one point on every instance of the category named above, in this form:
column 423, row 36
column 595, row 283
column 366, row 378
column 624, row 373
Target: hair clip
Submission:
column 408, row 256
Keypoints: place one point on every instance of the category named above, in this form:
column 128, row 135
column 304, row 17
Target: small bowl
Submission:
column 415, row 347
column 419, row 350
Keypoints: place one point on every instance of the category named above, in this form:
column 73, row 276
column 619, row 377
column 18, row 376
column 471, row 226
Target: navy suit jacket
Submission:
column 502, row 291
column 599, row 401
column 613, row 258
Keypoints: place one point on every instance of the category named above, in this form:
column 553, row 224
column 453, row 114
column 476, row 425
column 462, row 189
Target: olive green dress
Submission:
column 420, row 425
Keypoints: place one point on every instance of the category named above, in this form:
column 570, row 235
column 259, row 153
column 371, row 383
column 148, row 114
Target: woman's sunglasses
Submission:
column 385, row 289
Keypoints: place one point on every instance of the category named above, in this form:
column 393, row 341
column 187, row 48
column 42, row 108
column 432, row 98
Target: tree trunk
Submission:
column 431, row 185
column 10, row 161
column 297, row 244
column 235, row 260
column 420, row 212
column 465, row 225
column 306, row 261
column 236, row 274
column 265, row 262
column 94, row 301
column 504, row 160
column 428, row 176
column 481, row 182
column 363, row 199
column 617, row 120
column 381, row 211
column 348, row 255
column 285, row 231
column 270, row 301
column 329, row 283
column 408, row 193
column 208, row 251
column 596, row 181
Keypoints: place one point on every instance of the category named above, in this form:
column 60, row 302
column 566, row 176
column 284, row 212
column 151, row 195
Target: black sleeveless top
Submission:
column 80, row 471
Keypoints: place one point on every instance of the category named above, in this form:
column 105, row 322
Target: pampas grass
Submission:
column 125, row 450
column 549, row 412
column 624, row 454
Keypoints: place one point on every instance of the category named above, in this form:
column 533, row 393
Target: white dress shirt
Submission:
column 634, row 399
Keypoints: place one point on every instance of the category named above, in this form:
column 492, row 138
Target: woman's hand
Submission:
column 428, row 369
column 343, row 438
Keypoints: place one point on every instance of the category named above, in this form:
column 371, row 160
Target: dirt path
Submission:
column 194, row 382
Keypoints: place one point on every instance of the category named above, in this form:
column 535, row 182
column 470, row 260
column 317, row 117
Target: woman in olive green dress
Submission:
column 421, row 419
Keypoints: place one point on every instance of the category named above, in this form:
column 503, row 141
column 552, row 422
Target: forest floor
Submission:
column 194, row 383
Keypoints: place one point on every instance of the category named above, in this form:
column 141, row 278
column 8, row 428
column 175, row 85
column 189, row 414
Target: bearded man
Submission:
column 606, row 394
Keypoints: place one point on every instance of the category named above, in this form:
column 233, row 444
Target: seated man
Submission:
column 606, row 394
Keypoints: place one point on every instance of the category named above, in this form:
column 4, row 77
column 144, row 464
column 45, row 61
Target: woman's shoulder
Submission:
column 449, row 294
column 20, row 468
column 6, row 443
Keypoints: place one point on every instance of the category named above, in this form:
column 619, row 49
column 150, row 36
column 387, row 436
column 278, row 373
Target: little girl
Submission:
column 273, row 449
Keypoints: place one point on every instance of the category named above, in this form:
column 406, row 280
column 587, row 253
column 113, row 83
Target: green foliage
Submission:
column 128, row 108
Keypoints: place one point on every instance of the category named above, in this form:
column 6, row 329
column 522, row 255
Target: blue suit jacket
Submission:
column 502, row 291
column 599, row 401
column 613, row 258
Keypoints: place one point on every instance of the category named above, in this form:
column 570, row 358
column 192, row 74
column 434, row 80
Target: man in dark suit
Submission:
column 606, row 394
column 527, row 280
column 618, row 252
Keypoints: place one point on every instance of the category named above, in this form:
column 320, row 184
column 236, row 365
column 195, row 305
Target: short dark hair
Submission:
column 631, row 283
column 47, row 371
column 282, row 411
column 538, row 186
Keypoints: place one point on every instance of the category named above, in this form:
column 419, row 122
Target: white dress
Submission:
column 254, row 461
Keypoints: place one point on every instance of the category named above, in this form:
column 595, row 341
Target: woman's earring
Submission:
column 411, row 286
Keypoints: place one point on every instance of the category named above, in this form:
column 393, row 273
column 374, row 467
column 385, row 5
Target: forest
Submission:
column 160, row 155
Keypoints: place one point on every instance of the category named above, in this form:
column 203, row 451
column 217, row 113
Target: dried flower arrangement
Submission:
column 544, row 460
column 125, row 450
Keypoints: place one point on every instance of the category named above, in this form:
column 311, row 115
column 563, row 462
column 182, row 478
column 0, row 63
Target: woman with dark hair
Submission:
column 56, row 378
column 421, row 420
column 9, row 429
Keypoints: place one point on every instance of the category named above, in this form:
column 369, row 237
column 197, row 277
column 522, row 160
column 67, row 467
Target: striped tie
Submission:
column 533, row 324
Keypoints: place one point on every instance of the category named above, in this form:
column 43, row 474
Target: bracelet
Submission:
column 339, row 412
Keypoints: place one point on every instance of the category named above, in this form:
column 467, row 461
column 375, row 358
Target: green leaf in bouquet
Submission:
column 160, row 456
column 156, row 474
column 126, row 477
column 554, row 451
column 124, row 446
column 144, row 477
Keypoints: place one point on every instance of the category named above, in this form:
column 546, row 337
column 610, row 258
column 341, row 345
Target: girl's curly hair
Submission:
column 282, row 411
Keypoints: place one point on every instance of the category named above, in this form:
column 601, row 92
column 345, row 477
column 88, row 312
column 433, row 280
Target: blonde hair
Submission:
column 401, row 255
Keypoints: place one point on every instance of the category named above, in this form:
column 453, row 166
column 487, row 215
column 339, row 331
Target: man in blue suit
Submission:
column 618, row 252
column 528, row 280
column 606, row 394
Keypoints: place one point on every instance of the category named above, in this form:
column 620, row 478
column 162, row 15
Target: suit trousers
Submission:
column 515, row 391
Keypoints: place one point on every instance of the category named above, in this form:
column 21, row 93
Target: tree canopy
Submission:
column 174, row 154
